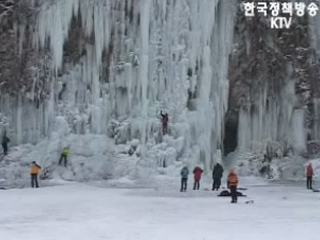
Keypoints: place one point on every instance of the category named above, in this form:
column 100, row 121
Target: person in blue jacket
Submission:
column 184, row 178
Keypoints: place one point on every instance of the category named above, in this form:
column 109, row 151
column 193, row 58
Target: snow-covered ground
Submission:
column 98, row 211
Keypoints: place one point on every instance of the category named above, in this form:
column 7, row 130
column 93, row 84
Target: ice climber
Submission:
column 184, row 178
column 34, row 171
column 216, row 176
column 197, row 172
column 4, row 143
column 164, row 120
column 64, row 155
column 232, row 184
column 309, row 176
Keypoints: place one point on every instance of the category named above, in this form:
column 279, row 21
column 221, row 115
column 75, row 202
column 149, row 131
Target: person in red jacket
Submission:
column 309, row 176
column 197, row 172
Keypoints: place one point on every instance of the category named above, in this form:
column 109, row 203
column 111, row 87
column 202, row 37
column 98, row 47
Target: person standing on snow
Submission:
column 34, row 171
column 64, row 155
column 4, row 143
column 197, row 171
column 232, row 184
column 164, row 120
column 184, row 178
column 309, row 176
column 216, row 176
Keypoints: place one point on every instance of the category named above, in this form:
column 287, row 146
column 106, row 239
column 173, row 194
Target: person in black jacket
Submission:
column 216, row 176
column 4, row 143
column 164, row 120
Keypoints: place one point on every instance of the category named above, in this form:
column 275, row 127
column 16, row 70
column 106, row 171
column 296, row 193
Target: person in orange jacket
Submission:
column 34, row 171
column 309, row 176
column 233, row 184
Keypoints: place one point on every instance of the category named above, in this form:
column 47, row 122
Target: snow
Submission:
column 278, row 168
column 92, row 157
column 98, row 211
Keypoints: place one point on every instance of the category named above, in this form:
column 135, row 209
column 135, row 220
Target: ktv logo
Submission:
column 286, row 9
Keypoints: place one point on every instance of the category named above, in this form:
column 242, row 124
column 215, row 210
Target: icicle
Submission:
column 144, row 66
column 19, row 121
column 316, row 121
column 298, row 130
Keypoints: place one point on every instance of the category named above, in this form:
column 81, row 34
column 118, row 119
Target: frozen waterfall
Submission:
column 134, row 59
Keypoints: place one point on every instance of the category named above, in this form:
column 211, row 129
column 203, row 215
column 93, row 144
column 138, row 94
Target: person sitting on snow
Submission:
column 309, row 176
column 232, row 184
column 184, row 178
column 64, row 155
column 197, row 171
column 34, row 171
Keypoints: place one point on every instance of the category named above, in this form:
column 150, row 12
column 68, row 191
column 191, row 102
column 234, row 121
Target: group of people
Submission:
column 217, row 173
column 232, row 180
column 35, row 167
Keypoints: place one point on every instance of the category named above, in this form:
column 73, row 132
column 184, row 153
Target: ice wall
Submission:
column 271, row 120
column 314, row 32
column 158, row 55
column 316, row 120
